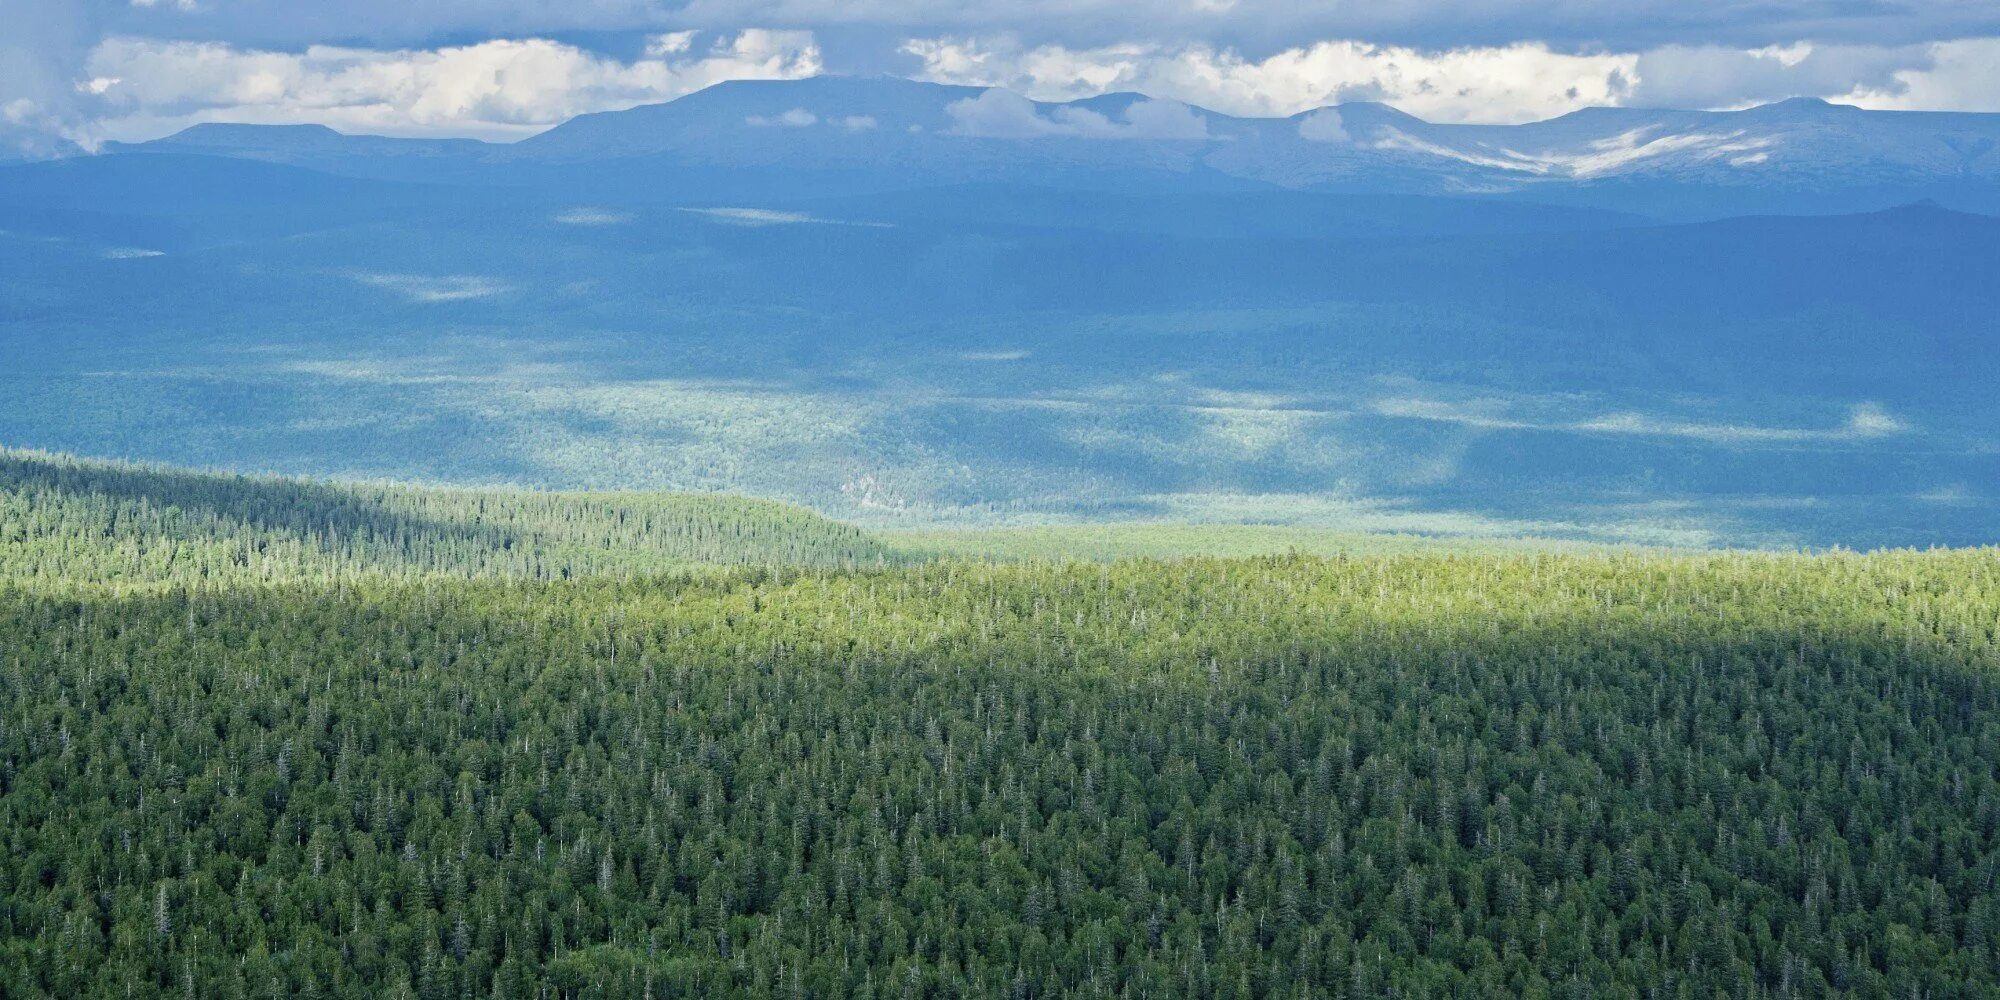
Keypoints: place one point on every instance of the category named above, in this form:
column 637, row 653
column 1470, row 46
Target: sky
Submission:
column 76, row 73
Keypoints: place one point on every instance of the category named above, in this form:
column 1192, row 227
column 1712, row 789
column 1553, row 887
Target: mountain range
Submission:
column 907, row 305
column 849, row 135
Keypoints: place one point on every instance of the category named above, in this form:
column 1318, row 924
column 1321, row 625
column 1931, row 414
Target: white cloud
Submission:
column 42, row 112
column 801, row 118
column 1962, row 75
column 1517, row 82
column 1524, row 81
column 671, row 43
column 495, row 89
column 1323, row 125
column 432, row 289
column 1163, row 120
column 35, row 129
column 795, row 118
column 1678, row 76
column 586, row 216
column 1002, row 114
column 1254, row 23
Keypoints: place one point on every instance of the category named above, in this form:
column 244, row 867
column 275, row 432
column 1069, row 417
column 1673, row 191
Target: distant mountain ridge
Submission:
column 838, row 134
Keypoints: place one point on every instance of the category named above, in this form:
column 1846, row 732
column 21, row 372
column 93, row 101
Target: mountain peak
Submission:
column 819, row 94
column 1922, row 207
column 1115, row 99
column 829, row 85
column 1799, row 107
column 205, row 132
column 857, row 104
column 1372, row 113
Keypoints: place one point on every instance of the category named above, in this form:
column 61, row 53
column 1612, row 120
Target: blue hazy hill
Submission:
column 850, row 134
column 1109, row 312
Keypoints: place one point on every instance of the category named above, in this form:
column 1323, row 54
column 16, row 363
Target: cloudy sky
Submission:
column 78, row 72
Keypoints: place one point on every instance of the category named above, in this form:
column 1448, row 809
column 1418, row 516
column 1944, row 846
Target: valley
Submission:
column 993, row 352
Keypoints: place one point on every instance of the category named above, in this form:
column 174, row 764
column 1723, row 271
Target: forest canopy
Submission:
column 266, row 738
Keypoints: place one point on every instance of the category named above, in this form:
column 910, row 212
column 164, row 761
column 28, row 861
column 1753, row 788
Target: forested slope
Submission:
column 69, row 520
column 330, row 748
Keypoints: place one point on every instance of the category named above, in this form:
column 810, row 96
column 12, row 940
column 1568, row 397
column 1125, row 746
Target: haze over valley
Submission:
column 914, row 305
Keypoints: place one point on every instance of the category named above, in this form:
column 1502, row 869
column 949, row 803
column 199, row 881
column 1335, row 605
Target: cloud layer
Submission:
column 496, row 89
column 1524, row 81
column 1509, row 83
column 80, row 71
column 1258, row 25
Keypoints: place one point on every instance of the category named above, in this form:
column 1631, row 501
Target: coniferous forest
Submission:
column 272, row 738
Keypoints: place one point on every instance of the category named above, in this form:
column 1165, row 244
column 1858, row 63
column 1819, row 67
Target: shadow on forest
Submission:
column 312, row 512
column 1645, row 743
